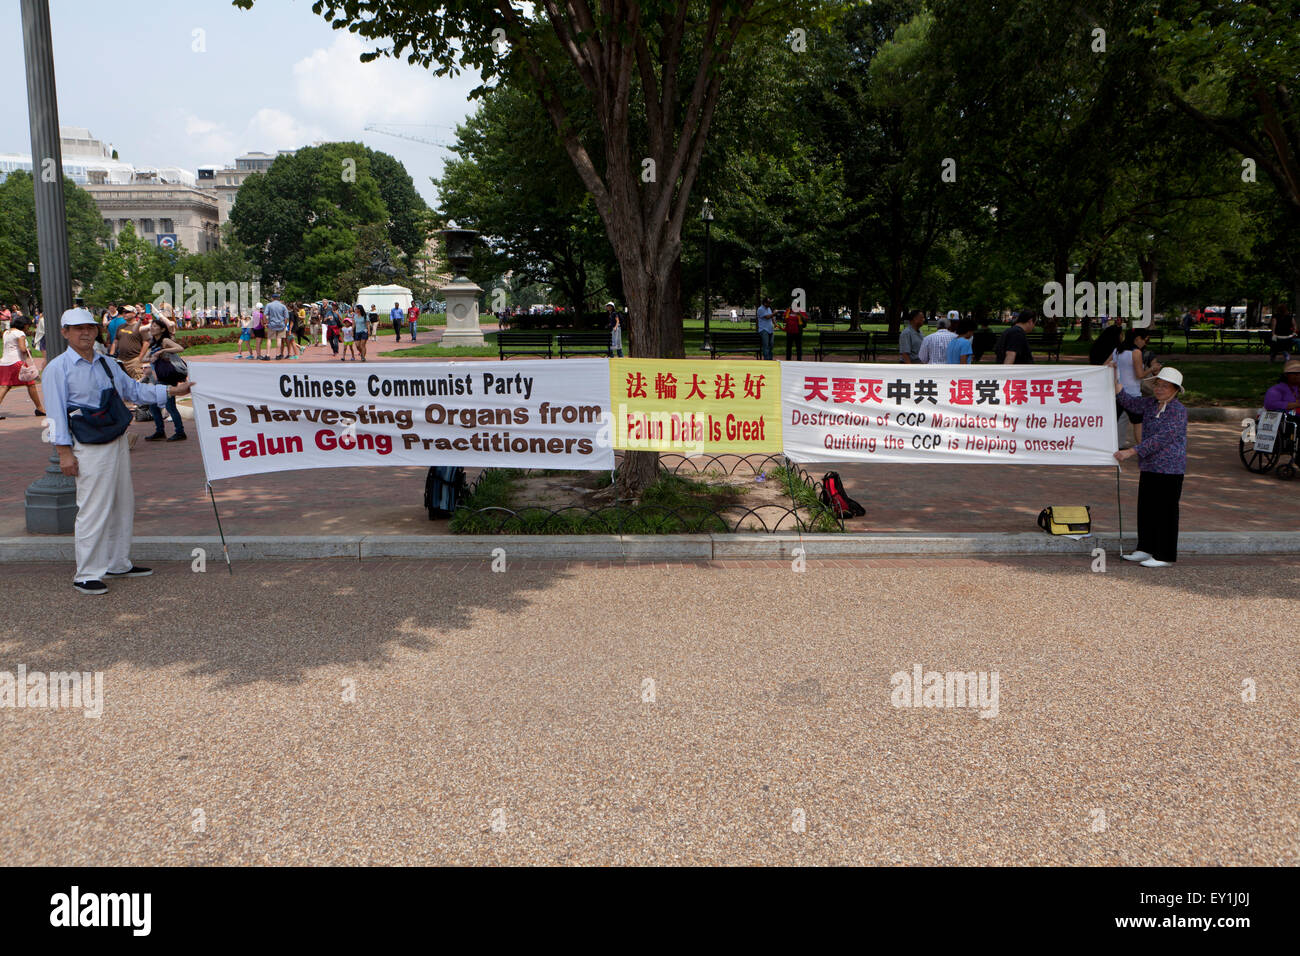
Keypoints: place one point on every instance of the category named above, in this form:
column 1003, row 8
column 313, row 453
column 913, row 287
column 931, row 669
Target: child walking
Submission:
column 348, row 335
column 245, row 336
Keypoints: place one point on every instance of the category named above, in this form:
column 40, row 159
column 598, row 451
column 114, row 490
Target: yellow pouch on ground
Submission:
column 1066, row 519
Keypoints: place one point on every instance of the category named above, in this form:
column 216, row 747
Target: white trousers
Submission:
column 105, row 508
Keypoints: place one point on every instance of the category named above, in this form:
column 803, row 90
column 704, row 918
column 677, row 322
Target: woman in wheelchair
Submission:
column 1285, row 395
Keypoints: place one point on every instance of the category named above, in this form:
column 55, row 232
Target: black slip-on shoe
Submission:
column 135, row 572
column 179, row 436
column 91, row 587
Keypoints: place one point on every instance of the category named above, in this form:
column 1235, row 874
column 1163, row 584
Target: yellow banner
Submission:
column 697, row 407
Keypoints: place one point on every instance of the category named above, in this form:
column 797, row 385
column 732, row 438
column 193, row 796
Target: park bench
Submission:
column 583, row 343
column 884, row 342
column 515, row 342
column 736, row 343
column 1198, row 337
column 1048, row 344
column 852, row 343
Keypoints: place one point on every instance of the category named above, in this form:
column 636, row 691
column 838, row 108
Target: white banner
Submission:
column 949, row 414
column 525, row 414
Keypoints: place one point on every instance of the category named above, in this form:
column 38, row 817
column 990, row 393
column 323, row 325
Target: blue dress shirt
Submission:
column 71, row 380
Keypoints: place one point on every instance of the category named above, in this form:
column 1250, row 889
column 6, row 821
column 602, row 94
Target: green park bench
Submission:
column 736, row 343
column 515, row 342
column 884, row 342
column 584, row 343
column 1047, row 344
column 851, row 343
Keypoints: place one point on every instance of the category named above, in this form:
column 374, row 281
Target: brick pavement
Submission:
column 1220, row 495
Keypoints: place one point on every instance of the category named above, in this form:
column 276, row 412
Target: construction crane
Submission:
column 391, row 129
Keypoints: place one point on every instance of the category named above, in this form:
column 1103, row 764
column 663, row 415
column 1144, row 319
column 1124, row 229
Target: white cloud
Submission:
column 336, row 86
column 275, row 129
column 208, row 137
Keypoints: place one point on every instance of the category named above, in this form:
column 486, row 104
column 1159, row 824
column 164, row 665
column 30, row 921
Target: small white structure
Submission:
column 382, row 298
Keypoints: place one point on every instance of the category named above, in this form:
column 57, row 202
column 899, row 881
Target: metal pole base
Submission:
column 52, row 502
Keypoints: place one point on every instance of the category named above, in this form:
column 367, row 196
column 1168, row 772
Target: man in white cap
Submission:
column 92, row 448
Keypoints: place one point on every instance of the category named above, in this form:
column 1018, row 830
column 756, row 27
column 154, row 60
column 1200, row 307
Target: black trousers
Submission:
column 794, row 342
column 1158, row 497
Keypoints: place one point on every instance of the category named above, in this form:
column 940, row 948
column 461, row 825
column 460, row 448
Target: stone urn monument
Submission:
column 461, row 294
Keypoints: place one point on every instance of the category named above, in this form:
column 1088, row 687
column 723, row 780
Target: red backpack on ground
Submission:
column 835, row 497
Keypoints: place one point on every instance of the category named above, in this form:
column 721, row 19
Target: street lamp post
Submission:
column 51, row 501
column 706, row 213
column 31, row 279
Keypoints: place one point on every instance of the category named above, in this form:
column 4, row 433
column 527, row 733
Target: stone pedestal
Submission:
column 52, row 502
column 463, row 329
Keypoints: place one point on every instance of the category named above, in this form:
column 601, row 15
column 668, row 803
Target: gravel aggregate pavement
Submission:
column 407, row 712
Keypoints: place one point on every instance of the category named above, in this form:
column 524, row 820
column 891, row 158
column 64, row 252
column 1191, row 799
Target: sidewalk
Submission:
column 171, row 501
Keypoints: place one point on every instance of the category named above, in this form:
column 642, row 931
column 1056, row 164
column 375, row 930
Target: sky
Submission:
column 199, row 82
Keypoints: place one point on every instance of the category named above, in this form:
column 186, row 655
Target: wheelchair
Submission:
column 1284, row 449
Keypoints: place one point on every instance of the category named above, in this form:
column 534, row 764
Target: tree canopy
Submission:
column 305, row 219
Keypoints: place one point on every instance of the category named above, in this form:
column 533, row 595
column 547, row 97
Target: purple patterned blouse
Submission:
column 1163, row 448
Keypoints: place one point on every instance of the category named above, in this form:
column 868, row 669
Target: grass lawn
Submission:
column 1240, row 384
column 434, row 350
column 1238, row 381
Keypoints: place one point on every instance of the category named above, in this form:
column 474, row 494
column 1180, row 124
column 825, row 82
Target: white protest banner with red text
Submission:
column 951, row 414
column 526, row 414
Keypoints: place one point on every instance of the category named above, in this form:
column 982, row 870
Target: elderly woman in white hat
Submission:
column 1162, row 457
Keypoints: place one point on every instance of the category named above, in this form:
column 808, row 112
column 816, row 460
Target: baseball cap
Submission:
column 77, row 317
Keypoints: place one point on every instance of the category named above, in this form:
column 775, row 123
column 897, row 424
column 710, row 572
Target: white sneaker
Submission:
column 1137, row 556
column 1153, row 563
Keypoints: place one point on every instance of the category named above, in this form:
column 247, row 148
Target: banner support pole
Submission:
column 224, row 549
column 1119, row 506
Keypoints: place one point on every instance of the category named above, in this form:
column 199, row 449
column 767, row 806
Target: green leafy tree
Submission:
column 1232, row 68
column 129, row 271
column 303, row 218
column 512, row 180
column 648, row 71
column 87, row 233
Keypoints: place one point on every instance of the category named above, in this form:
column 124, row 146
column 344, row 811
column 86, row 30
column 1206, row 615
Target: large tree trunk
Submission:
column 1150, row 273
column 654, row 331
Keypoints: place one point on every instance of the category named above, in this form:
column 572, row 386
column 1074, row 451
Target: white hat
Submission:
column 1172, row 376
column 257, row 305
column 610, row 305
column 77, row 317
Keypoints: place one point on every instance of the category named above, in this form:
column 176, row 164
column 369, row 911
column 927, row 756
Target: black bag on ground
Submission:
column 443, row 489
column 835, row 497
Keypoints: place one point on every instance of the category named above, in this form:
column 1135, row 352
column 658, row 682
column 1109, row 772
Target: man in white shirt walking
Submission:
column 934, row 347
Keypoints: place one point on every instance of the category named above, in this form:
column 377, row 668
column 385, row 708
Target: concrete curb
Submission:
column 721, row 547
